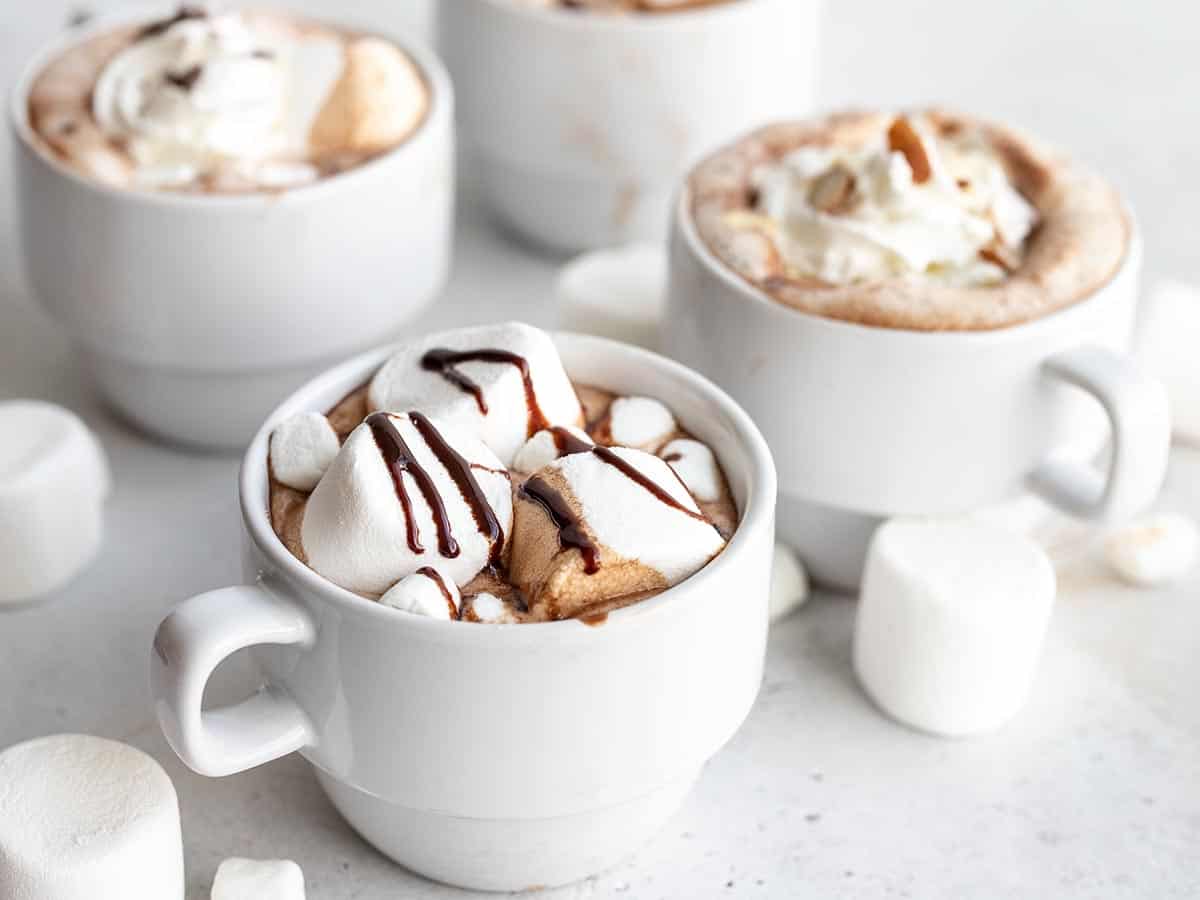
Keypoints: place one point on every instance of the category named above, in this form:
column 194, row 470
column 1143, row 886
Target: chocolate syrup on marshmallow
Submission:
column 443, row 362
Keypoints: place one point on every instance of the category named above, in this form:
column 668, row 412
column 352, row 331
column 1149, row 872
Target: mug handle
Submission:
column 1136, row 404
column 190, row 643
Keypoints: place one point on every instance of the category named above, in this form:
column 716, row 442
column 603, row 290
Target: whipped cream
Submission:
column 201, row 91
column 377, row 514
column 907, row 204
column 483, row 389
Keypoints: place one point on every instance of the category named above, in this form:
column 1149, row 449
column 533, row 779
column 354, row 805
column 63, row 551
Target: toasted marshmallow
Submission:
column 357, row 531
column 1167, row 340
column 696, row 467
column 618, row 293
column 584, row 513
column 54, row 479
column 258, row 879
column 379, row 100
column 1158, row 550
column 542, row 449
column 302, row 448
column 502, row 414
column 640, row 422
column 950, row 623
column 489, row 608
column 426, row 592
column 789, row 583
column 85, row 818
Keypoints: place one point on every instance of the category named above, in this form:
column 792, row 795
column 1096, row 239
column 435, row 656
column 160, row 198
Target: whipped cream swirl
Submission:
column 906, row 205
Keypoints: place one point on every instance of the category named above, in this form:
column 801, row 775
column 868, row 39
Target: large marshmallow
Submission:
column 618, row 293
column 402, row 383
column 54, row 479
column 951, row 622
column 258, row 879
column 356, row 533
column 1167, row 340
column 303, row 446
column 84, row 818
column 789, row 583
column 642, row 543
column 1156, row 550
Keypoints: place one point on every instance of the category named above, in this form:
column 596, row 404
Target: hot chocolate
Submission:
column 225, row 103
column 475, row 481
column 931, row 221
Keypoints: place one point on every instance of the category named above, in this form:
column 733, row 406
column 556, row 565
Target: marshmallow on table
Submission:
column 501, row 415
column 426, row 592
column 1168, row 337
column 543, row 449
column 357, row 531
column 640, row 422
column 696, row 466
column 302, row 448
column 84, row 818
column 54, row 479
column 789, row 583
column 1156, row 550
column 618, row 293
column 258, row 879
column 951, row 622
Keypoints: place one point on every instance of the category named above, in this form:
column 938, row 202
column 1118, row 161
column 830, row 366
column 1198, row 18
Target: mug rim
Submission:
column 441, row 106
column 577, row 20
column 684, row 224
column 757, row 511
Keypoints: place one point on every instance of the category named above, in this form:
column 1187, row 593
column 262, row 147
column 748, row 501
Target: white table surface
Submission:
column 1094, row 791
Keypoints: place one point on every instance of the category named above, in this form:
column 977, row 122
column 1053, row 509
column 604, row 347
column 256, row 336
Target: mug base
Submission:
column 566, row 214
column 207, row 410
column 831, row 542
column 506, row 854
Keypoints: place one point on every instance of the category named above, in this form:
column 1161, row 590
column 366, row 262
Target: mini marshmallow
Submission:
column 696, row 467
column 84, row 818
column 491, row 609
column 950, row 623
column 258, row 879
column 403, row 383
column 640, row 422
column 789, row 583
column 302, row 448
column 54, row 478
column 542, row 449
column 618, row 293
column 1167, row 340
column 426, row 592
column 1157, row 550
column 356, row 531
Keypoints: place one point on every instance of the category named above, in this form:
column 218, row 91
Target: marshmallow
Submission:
column 594, row 526
column 542, row 449
column 379, row 100
column 950, row 623
column 502, row 415
column 302, row 448
column 618, row 293
column 54, row 479
column 487, row 607
column 255, row 879
column 640, row 422
column 789, row 583
column 1157, row 550
column 426, row 592
column 84, row 818
column 357, row 531
column 696, row 467
column 1167, row 340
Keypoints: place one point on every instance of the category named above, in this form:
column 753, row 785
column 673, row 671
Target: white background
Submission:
column 1093, row 792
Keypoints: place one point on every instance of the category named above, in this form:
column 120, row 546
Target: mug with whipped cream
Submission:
column 214, row 206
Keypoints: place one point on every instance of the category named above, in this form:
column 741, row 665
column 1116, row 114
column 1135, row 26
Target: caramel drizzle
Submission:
column 443, row 362
column 460, row 473
column 433, row 575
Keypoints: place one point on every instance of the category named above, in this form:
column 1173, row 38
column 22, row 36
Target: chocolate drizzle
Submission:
column 185, row 12
column 433, row 575
column 460, row 473
column 185, row 80
column 568, row 444
column 443, row 362
column 571, row 533
column 631, row 472
column 399, row 459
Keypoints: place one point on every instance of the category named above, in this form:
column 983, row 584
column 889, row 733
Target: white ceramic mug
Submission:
column 580, row 123
column 497, row 757
column 867, row 423
column 195, row 314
